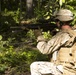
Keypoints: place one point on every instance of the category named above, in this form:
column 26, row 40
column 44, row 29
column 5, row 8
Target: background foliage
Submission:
column 18, row 47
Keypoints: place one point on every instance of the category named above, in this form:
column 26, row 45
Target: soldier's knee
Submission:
column 33, row 65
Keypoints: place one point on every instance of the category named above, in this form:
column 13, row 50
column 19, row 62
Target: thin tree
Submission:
column 29, row 8
column 0, row 6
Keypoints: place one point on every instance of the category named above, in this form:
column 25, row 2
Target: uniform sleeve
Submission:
column 53, row 44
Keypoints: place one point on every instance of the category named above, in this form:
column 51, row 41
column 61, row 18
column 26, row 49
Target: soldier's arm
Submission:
column 53, row 44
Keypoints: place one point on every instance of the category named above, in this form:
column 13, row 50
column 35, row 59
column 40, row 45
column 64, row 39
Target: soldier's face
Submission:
column 57, row 22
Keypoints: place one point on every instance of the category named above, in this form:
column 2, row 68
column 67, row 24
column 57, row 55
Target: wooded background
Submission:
column 18, row 20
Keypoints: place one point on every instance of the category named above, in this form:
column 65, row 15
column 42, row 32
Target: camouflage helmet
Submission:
column 64, row 15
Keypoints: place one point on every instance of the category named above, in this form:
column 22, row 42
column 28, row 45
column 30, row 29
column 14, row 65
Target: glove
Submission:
column 37, row 33
column 39, row 36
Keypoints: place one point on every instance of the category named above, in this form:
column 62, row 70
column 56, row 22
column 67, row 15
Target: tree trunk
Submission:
column 29, row 8
column 0, row 6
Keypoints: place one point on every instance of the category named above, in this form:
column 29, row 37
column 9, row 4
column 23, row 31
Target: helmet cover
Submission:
column 64, row 15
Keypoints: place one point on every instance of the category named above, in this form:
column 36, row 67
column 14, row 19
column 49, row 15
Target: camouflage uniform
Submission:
column 57, row 46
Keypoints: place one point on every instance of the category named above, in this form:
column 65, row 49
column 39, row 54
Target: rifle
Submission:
column 44, row 27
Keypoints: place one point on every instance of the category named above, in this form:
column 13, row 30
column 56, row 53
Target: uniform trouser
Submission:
column 39, row 68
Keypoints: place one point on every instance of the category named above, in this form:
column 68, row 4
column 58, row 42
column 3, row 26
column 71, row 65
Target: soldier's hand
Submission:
column 37, row 33
column 39, row 36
